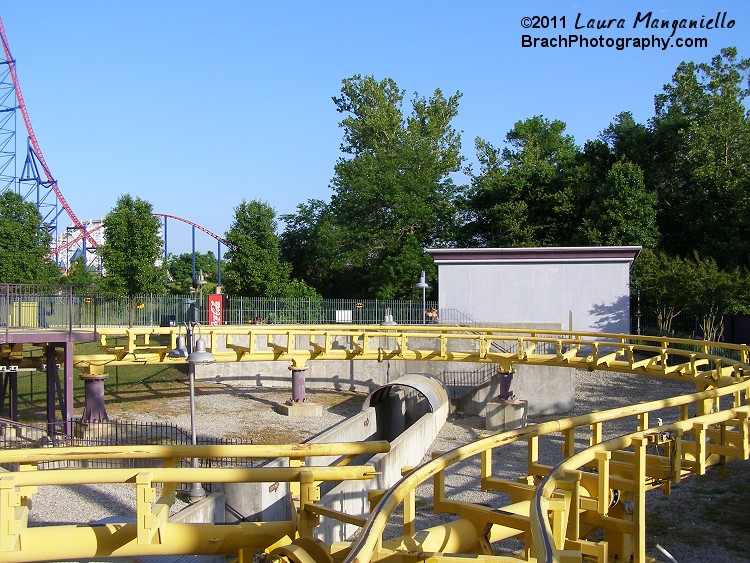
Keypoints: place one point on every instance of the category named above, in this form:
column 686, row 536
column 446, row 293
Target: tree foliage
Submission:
column 79, row 277
column 622, row 211
column 255, row 267
column 658, row 283
column 24, row 243
column 131, row 251
column 702, row 152
column 392, row 194
column 712, row 293
column 520, row 196
column 180, row 271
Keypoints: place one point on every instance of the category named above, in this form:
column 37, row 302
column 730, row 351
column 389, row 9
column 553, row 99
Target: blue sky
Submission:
column 195, row 106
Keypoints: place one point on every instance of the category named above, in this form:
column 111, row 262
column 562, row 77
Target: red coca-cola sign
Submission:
column 215, row 310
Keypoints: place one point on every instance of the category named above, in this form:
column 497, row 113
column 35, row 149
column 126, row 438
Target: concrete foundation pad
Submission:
column 505, row 415
column 299, row 409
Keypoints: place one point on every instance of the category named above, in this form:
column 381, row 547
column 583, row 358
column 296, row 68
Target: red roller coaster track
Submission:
column 191, row 223
column 35, row 144
column 197, row 226
column 32, row 137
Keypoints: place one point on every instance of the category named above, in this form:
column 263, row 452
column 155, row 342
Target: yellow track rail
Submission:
column 597, row 482
column 664, row 357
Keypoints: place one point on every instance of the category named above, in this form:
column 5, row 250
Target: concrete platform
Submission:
column 299, row 409
column 505, row 415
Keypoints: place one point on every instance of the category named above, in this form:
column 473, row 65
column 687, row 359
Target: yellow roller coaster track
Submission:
column 595, row 487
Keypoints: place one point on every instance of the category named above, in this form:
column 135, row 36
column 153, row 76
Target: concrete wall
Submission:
column 351, row 496
column 403, row 417
column 539, row 285
column 365, row 376
column 549, row 390
column 256, row 502
column 546, row 389
column 208, row 509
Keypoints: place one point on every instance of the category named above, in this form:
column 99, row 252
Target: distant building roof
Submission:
column 537, row 254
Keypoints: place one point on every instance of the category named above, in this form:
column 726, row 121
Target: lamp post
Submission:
column 200, row 281
column 194, row 355
column 423, row 285
column 638, row 308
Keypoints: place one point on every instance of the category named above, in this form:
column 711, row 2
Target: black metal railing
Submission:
column 33, row 306
column 458, row 383
column 15, row 435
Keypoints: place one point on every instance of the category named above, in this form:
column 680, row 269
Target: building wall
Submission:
column 588, row 287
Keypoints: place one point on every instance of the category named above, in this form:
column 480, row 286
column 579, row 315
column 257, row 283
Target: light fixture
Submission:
column 200, row 355
column 423, row 285
column 388, row 318
column 181, row 350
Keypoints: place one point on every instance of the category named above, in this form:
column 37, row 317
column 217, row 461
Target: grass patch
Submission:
column 123, row 383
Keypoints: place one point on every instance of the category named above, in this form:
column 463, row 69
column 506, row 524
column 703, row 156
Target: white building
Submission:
column 69, row 244
column 579, row 288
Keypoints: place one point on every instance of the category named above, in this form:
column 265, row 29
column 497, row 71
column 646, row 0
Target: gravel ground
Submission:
column 701, row 521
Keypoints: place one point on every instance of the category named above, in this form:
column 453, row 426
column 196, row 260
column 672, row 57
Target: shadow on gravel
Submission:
column 90, row 495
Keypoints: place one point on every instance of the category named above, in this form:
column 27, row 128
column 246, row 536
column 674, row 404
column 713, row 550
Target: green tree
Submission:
column 394, row 196
column 703, row 159
column 308, row 242
column 24, row 243
column 629, row 141
column 180, row 271
column 79, row 277
column 712, row 293
column 658, row 281
column 131, row 251
column 255, row 267
column 621, row 210
column 521, row 196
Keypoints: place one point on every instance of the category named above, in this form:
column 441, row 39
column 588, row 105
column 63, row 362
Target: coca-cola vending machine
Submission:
column 215, row 310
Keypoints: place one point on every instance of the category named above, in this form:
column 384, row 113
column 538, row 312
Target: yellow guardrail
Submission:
column 555, row 505
column 554, row 508
column 152, row 533
column 659, row 356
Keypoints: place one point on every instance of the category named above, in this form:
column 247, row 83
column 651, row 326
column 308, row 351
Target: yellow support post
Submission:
column 569, row 445
column 573, row 531
column 684, row 412
column 485, row 467
column 294, row 487
column 10, row 525
column 145, row 495
column 677, row 458
column 131, row 341
column 532, row 453
column 438, row 486
column 699, row 429
column 30, row 490
column 642, row 422
column 639, row 500
column 309, row 493
column 742, row 416
column 596, row 434
column 559, row 508
column 410, row 507
column 602, row 465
